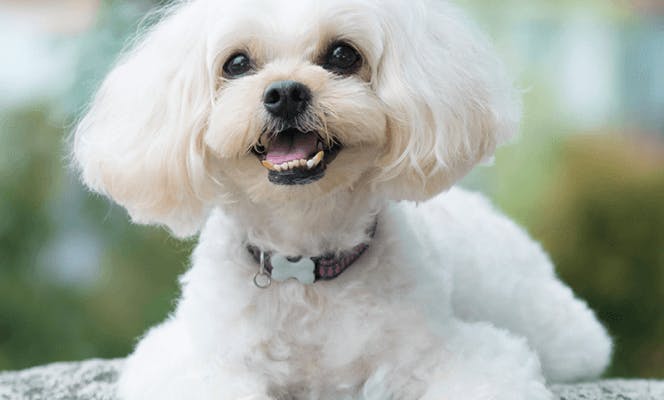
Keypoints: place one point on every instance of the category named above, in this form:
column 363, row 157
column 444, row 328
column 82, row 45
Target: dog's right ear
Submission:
column 141, row 140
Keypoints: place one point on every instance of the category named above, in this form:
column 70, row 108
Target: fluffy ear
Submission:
column 448, row 98
column 141, row 140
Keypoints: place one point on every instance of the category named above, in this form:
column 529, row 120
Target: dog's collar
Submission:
column 307, row 270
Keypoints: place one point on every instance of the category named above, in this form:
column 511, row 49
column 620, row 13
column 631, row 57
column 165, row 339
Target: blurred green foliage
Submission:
column 78, row 281
column 46, row 315
column 604, row 226
column 41, row 318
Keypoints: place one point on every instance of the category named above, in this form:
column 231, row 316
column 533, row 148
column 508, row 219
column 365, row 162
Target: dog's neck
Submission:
column 330, row 224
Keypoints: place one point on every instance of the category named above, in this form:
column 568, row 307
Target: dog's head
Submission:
column 273, row 101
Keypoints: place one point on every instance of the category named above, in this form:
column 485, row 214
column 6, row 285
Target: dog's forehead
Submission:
column 294, row 24
column 290, row 11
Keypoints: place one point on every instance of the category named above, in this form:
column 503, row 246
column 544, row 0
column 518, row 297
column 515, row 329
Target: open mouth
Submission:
column 293, row 157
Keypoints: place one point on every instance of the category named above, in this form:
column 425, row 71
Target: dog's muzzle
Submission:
column 293, row 156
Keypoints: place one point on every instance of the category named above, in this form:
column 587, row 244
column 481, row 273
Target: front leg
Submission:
column 477, row 362
column 164, row 366
column 482, row 362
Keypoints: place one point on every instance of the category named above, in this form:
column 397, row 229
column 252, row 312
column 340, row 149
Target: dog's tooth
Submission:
column 316, row 160
column 303, row 163
column 269, row 165
column 277, row 168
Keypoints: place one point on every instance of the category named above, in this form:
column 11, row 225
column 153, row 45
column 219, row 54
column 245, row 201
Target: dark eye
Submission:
column 237, row 66
column 342, row 59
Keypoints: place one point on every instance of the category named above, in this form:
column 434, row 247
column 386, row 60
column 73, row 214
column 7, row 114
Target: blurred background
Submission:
column 585, row 177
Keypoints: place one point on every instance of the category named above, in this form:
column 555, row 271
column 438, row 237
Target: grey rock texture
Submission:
column 95, row 380
column 612, row 390
column 89, row 380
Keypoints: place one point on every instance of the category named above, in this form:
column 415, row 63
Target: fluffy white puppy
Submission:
column 290, row 130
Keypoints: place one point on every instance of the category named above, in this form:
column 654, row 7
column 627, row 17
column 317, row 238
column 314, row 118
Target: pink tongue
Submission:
column 290, row 147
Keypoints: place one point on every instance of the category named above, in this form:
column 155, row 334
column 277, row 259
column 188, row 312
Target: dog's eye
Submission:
column 342, row 59
column 237, row 66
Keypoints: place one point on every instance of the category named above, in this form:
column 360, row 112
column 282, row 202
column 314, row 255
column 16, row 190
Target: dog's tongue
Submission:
column 288, row 146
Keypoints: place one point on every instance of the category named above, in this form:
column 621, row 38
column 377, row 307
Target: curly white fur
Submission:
column 451, row 301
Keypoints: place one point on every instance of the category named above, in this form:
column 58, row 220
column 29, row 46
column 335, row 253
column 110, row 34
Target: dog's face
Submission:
column 274, row 101
column 296, row 114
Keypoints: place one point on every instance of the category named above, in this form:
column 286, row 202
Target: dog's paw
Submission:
column 486, row 363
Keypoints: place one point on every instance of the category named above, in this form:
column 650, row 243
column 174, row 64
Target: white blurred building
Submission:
column 36, row 64
column 58, row 16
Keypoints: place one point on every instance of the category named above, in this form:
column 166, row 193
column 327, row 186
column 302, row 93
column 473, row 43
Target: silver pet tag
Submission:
column 303, row 269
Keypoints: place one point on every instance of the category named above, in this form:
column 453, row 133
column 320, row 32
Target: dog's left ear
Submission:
column 449, row 101
column 141, row 140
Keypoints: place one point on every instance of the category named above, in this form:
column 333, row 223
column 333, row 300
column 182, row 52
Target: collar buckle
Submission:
column 262, row 279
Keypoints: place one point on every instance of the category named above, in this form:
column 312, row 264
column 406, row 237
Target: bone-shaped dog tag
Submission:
column 284, row 269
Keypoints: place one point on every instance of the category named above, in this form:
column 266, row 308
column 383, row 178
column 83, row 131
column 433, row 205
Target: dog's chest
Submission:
column 320, row 343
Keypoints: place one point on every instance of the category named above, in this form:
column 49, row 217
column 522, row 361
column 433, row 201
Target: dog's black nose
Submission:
column 286, row 99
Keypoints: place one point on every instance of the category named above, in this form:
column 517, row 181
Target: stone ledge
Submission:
column 95, row 380
column 88, row 380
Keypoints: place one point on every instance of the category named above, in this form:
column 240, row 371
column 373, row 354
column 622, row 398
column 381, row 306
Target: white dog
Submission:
column 294, row 128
